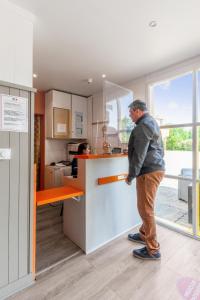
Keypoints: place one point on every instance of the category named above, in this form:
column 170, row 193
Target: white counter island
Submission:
column 108, row 207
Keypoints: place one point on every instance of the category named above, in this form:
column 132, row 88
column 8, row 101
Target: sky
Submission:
column 172, row 100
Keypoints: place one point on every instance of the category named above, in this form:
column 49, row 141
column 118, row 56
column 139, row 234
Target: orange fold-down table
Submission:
column 57, row 194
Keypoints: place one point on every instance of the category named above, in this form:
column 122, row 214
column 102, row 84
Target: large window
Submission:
column 172, row 105
column 172, row 101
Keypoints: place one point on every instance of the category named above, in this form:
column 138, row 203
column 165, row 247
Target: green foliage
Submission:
column 179, row 139
column 125, row 126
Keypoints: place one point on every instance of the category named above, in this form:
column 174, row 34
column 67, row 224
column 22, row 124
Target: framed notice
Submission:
column 13, row 113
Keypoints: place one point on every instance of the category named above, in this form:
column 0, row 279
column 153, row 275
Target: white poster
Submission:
column 13, row 113
column 61, row 128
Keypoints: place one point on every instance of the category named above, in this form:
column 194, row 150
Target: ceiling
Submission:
column 79, row 39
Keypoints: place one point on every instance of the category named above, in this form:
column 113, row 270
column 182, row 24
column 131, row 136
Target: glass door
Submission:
column 172, row 106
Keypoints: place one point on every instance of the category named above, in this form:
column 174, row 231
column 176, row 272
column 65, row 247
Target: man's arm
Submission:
column 141, row 144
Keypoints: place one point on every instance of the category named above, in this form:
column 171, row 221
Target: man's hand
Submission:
column 127, row 181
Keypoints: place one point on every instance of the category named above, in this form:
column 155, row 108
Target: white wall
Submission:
column 16, row 51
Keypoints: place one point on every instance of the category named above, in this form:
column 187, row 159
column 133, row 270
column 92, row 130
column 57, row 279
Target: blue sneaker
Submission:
column 135, row 237
column 144, row 254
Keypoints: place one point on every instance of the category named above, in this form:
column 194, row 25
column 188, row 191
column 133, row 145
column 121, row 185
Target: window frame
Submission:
column 194, row 125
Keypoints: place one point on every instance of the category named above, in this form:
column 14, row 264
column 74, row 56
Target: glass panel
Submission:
column 198, row 154
column 198, row 183
column 198, row 96
column 178, row 151
column 116, row 114
column 174, row 202
column 172, row 101
column 198, row 208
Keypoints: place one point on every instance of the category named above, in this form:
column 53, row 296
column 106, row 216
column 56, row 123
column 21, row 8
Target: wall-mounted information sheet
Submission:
column 13, row 113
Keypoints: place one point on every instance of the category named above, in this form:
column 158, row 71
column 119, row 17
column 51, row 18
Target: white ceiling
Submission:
column 78, row 39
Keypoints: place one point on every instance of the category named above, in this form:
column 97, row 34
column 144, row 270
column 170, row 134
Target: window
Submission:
column 172, row 100
column 172, row 106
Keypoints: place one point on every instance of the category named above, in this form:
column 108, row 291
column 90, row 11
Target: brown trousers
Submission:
column 147, row 186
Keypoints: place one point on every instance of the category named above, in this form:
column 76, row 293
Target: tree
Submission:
column 125, row 128
column 179, row 139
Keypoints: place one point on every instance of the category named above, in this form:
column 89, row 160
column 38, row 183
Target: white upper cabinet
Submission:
column 65, row 115
column 79, row 117
column 57, row 115
column 60, row 99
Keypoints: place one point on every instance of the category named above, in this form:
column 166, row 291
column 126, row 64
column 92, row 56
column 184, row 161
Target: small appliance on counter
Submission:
column 72, row 149
column 54, row 174
column 116, row 150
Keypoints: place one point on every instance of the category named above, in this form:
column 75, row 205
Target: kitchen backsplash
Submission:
column 55, row 150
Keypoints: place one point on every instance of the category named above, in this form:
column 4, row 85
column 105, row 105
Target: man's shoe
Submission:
column 144, row 254
column 135, row 237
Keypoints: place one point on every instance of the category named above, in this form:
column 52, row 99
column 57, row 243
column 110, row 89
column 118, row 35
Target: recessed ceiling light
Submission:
column 34, row 75
column 153, row 23
column 103, row 75
column 90, row 80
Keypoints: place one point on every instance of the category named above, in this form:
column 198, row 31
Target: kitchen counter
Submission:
column 108, row 207
column 97, row 156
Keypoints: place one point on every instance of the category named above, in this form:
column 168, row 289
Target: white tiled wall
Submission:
column 55, row 151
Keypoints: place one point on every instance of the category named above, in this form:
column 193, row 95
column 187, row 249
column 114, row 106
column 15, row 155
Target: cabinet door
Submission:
column 61, row 100
column 79, row 117
column 60, row 123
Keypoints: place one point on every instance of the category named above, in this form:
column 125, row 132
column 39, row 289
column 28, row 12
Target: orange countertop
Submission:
column 97, row 156
column 57, row 194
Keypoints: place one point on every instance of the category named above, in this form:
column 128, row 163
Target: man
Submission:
column 146, row 164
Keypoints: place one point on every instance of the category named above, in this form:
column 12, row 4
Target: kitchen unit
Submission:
column 65, row 115
column 57, row 115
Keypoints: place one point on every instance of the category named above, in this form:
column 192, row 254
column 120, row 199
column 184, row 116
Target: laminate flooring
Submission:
column 52, row 245
column 112, row 273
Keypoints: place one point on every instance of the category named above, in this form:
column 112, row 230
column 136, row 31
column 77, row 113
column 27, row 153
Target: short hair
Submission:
column 82, row 147
column 138, row 104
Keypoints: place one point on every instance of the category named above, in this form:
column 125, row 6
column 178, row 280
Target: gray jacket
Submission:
column 145, row 148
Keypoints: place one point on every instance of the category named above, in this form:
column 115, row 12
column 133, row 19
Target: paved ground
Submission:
column 169, row 207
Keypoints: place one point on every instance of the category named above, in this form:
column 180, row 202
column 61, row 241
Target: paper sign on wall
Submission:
column 13, row 113
column 61, row 128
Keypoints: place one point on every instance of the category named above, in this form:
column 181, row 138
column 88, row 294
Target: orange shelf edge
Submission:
column 57, row 194
column 110, row 179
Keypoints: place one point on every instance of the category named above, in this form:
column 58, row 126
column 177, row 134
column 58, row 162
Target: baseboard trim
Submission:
column 17, row 286
column 110, row 240
column 59, row 262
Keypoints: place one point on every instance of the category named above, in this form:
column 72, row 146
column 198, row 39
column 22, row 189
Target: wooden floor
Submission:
column 112, row 273
column 52, row 245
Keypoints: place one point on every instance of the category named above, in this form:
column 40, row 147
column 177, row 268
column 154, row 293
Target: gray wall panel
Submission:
column 24, row 201
column 14, row 203
column 14, row 208
column 4, row 211
column 15, row 197
column 4, row 90
column 14, row 92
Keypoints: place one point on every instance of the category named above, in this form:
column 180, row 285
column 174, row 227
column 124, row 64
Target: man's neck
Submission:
column 141, row 117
